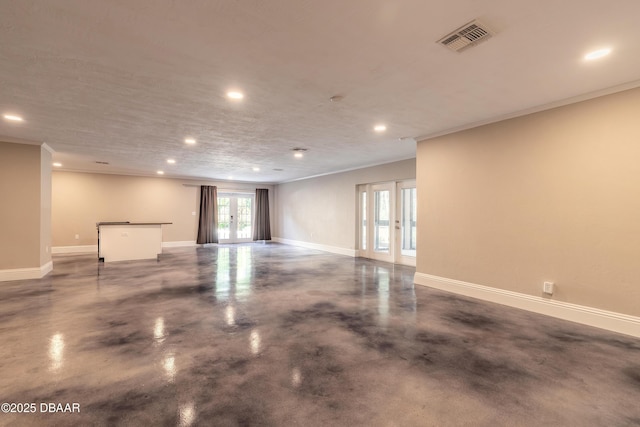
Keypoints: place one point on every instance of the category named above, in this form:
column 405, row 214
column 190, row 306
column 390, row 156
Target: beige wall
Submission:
column 45, row 205
column 550, row 196
column 82, row 199
column 20, row 194
column 323, row 210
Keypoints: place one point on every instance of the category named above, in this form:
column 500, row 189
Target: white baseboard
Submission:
column 83, row 249
column 317, row 246
column 26, row 273
column 608, row 320
column 178, row 244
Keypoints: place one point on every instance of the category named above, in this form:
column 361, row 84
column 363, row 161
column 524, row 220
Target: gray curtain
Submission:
column 208, row 223
column 262, row 229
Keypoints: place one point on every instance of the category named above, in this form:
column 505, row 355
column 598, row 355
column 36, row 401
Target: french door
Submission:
column 235, row 217
column 387, row 218
column 406, row 222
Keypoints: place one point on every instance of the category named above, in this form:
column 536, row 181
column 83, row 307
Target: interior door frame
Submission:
column 233, row 211
column 368, row 251
column 395, row 236
column 399, row 257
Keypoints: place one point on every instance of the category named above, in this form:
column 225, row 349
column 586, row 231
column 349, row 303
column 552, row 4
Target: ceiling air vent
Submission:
column 466, row 36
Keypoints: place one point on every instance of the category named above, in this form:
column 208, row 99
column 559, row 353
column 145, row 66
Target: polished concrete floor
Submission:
column 277, row 335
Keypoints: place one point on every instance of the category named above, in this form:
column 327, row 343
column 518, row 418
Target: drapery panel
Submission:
column 208, row 222
column 262, row 227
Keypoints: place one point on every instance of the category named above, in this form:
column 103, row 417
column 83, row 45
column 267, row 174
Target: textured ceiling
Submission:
column 125, row 81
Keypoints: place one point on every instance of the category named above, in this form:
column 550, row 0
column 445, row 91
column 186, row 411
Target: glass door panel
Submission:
column 244, row 216
column 363, row 216
column 381, row 217
column 224, row 217
column 408, row 221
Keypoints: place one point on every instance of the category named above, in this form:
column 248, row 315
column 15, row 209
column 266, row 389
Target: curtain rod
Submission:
column 224, row 188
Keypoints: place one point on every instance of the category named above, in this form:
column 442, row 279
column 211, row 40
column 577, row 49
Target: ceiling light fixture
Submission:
column 171, row 161
column 190, row 141
column 57, row 164
column 298, row 152
column 336, row 98
column 380, row 128
column 13, row 118
column 256, row 169
column 160, row 172
column 233, row 94
column 597, row 54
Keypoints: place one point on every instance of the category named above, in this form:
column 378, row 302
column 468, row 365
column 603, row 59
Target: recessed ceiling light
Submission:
column 234, row 94
column 298, row 152
column 160, row 172
column 57, row 164
column 380, row 128
column 189, row 141
column 171, row 161
column 597, row 54
column 256, row 169
column 13, row 118
column 229, row 177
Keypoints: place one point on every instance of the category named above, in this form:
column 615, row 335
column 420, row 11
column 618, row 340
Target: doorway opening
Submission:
column 235, row 217
column 387, row 217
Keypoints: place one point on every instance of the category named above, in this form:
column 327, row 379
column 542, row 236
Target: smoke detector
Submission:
column 466, row 36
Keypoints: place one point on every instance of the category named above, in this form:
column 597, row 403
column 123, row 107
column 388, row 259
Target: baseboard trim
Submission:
column 317, row 246
column 609, row 320
column 83, row 249
column 179, row 244
column 26, row 273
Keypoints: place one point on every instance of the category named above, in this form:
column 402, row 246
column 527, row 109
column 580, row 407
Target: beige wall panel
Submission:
column 82, row 199
column 20, row 201
column 322, row 210
column 45, row 205
column 550, row 196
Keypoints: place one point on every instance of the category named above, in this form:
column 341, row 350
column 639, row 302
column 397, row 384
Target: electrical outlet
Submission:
column 547, row 288
column 77, row 237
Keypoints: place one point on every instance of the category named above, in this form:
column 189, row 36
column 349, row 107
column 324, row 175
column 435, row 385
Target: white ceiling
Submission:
column 125, row 81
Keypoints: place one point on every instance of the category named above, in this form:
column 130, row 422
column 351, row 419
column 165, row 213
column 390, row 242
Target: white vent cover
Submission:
column 466, row 36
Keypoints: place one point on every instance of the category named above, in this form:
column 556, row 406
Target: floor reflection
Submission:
column 254, row 342
column 296, row 377
column 186, row 414
column 158, row 331
column 243, row 272
column 230, row 315
column 382, row 276
column 56, row 352
column 169, row 365
column 234, row 273
column 223, row 276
